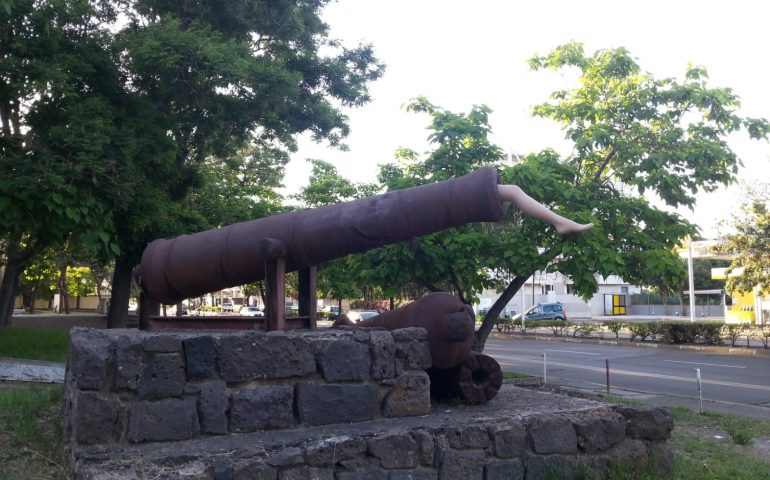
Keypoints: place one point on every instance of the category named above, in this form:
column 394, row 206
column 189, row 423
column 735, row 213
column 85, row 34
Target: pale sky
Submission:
column 464, row 53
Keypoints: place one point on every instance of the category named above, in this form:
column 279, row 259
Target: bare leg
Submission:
column 535, row 209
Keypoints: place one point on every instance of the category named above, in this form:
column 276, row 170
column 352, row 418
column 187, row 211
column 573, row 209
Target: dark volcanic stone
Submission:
column 320, row 404
column 171, row 419
column 162, row 376
column 262, row 408
column 253, row 356
column 200, row 357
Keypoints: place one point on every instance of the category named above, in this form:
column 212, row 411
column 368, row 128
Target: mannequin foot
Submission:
column 568, row 226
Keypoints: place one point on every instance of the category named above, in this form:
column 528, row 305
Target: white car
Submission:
column 251, row 312
column 365, row 315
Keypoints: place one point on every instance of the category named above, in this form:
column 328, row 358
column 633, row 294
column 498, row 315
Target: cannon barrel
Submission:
column 192, row 265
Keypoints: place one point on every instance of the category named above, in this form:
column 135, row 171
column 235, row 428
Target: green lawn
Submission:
column 34, row 343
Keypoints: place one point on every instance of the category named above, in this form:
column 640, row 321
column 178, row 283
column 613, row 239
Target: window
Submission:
column 624, row 290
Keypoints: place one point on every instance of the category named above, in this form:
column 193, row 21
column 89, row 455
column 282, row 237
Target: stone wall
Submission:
column 520, row 435
column 125, row 386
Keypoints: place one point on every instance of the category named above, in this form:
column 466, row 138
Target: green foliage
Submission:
column 687, row 332
column 458, row 260
column 113, row 113
column 585, row 329
column 614, row 326
column 642, row 330
column 750, row 244
column 337, row 278
column 58, row 134
column 626, row 125
column 39, row 278
column 34, row 343
column 80, row 282
column 628, row 129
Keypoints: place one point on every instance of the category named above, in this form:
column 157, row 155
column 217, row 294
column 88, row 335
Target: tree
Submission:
column 80, row 283
column 750, row 244
column 337, row 278
column 211, row 79
column 38, row 280
column 57, row 134
column 632, row 135
column 453, row 260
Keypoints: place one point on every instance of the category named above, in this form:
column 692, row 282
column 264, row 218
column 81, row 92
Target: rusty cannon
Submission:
column 267, row 248
column 191, row 265
column 457, row 373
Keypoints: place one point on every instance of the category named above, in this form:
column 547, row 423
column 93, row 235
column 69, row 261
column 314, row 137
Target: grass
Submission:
column 741, row 429
column 34, row 343
column 31, row 441
column 514, row 375
column 702, row 457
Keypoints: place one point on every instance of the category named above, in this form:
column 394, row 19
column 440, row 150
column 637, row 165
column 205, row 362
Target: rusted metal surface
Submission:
column 223, row 323
column 192, row 265
column 457, row 373
column 475, row 381
column 449, row 322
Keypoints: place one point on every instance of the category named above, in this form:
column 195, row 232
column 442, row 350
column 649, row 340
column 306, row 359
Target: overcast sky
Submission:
column 464, row 53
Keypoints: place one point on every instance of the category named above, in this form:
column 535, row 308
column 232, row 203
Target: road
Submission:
column 730, row 383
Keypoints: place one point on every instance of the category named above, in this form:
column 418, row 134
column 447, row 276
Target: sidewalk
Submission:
column 22, row 370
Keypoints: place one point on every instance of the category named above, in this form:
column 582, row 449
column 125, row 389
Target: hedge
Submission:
column 708, row 333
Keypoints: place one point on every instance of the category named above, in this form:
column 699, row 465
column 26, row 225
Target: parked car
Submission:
column 546, row 311
column 332, row 309
column 251, row 312
column 227, row 307
column 363, row 315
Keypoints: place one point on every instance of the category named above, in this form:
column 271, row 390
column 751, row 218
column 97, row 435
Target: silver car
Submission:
column 251, row 312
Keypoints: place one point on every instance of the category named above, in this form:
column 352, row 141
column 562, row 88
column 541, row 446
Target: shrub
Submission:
column 504, row 324
column 764, row 334
column 685, row 332
column 732, row 332
column 614, row 326
column 643, row 330
column 711, row 333
column 679, row 332
column 584, row 329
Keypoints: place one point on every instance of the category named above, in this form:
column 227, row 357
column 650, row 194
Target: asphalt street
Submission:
column 729, row 383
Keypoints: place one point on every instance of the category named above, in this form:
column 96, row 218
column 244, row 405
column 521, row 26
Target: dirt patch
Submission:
column 706, row 433
column 760, row 449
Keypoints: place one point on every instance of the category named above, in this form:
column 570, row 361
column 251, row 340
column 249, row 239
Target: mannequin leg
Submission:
column 528, row 205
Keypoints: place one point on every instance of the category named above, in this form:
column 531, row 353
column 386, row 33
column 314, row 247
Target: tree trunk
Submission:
column 8, row 287
column 63, row 294
column 489, row 321
column 121, row 292
column 261, row 290
column 179, row 309
column 32, row 299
